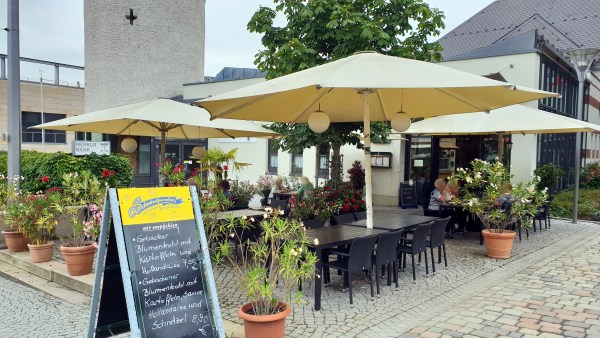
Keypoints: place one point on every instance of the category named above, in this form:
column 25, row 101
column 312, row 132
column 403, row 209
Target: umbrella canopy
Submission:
column 160, row 117
column 368, row 87
column 516, row 119
column 418, row 88
column 150, row 118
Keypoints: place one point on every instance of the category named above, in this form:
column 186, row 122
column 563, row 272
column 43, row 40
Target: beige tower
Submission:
column 138, row 50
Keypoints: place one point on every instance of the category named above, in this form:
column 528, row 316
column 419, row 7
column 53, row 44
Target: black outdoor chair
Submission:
column 280, row 204
column 386, row 254
column 414, row 246
column 341, row 219
column 357, row 259
column 436, row 240
column 542, row 215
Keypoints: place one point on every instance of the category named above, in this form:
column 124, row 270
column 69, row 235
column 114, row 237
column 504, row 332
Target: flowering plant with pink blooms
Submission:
column 83, row 197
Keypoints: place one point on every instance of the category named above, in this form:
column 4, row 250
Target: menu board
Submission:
column 165, row 261
column 408, row 195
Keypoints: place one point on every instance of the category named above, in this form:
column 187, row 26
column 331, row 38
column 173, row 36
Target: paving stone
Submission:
column 549, row 287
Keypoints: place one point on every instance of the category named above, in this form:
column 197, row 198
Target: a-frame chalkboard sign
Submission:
column 153, row 272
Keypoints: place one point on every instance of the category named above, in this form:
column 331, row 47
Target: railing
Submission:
column 57, row 67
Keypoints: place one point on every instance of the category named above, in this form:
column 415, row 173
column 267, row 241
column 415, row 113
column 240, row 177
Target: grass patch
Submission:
column 588, row 204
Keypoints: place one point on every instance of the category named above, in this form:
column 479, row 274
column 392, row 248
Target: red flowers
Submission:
column 45, row 178
column 225, row 167
column 346, row 208
column 107, row 173
column 178, row 169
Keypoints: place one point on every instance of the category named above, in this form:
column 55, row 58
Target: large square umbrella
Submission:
column 516, row 119
column 160, row 118
column 367, row 87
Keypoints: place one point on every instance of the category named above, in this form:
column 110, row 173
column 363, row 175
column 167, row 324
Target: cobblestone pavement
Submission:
column 27, row 312
column 549, row 287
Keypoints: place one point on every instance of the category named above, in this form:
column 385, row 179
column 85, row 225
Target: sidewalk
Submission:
column 549, row 288
column 52, row 278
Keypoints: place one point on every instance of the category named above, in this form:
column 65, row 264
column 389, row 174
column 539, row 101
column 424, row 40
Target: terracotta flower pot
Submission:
column 15, row 241
column 79, row 259
column 41, row 253
column 268, row 326
column 498, row 244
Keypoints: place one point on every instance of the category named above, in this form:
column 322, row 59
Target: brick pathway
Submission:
column 548, row 286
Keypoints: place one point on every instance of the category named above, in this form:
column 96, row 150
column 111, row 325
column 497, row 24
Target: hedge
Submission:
column 588, row 203
column 35, row 165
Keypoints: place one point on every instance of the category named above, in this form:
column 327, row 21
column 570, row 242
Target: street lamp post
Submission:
column 582, row 59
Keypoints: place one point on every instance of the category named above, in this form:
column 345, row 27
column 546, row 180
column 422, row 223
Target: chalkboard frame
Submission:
column 111, row 212
column 403, row 204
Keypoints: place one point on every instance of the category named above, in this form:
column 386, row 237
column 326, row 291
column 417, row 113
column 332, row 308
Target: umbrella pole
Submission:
column 367, row 138
column 500, row 148
column 163, row 146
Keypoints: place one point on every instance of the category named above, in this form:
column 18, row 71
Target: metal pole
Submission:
column 581, row 77
column 14, row 92
column 368, row 183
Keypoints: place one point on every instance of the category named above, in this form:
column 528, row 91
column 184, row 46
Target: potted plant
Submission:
column 486, row 192
column 265, row 184
column 268, row 269
column 10, row 210
column 242, row 194
column 36, row 218
column 83, row 195
column 548, row 174
column 314, row 209
column 357, row 175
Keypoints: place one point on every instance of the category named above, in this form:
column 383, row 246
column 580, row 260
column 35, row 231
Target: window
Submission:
column 322, row 161
column 273, row 157
column 297, row 164
column 83, row 136
column 30, row 119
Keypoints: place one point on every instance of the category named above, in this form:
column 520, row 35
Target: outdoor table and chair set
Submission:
column 348, row 246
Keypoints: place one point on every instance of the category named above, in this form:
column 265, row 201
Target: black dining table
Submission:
column 329, row 237
column 394, row 222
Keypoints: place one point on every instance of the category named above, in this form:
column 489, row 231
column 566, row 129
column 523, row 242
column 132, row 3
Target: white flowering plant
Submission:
column 486, row 192
column 274, row 257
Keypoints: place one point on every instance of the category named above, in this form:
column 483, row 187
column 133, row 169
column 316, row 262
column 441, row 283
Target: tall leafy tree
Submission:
column 319, row 31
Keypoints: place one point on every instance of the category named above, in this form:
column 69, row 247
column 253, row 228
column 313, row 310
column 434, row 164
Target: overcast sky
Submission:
column 53, row 30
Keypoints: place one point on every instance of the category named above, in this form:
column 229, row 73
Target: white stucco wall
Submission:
column 524, row 71
column 152, row 58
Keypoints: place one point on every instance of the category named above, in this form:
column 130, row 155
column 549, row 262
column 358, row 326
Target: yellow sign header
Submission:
column 154, row 205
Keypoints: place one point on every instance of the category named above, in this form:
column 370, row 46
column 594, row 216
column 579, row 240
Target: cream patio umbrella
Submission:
column 160, row 118
column 515, row 119
column 367, row 87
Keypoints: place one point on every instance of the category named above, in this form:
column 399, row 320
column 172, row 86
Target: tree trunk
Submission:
column 336, row 165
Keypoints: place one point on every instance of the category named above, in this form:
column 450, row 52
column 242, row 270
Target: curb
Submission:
column 52, row 271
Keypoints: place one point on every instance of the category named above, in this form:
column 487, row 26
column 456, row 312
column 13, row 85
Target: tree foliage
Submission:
column 319, row 31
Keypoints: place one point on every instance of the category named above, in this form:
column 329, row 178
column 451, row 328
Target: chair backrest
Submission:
column 419, row 240
column 438, row 230
column 386, row 247
column 361, row 253
column 341, row 219
column 279, row 204
column 360, row 215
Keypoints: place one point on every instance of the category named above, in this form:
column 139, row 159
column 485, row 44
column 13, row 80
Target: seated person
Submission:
column 225, row 189
column 439, row 195
column 304, row 187
column 504, row 201
column 458, row 215
column 277, row 187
